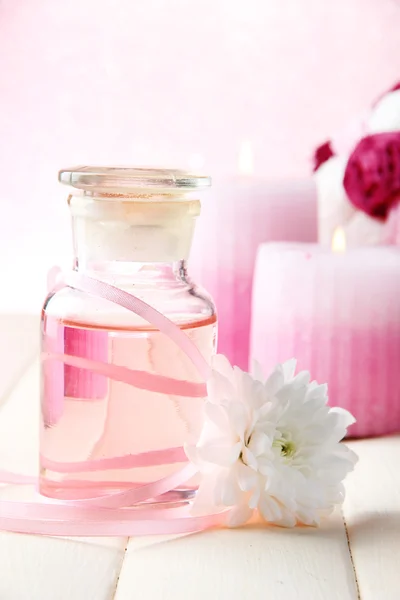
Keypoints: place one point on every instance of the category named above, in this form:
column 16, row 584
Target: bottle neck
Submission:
column 147, row 274
column 146, row 239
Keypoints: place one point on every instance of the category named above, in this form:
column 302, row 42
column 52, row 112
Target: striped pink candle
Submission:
column 63, row 381
column 80, row 383
column 339, row 315
column 238, row 215
column 392, row 226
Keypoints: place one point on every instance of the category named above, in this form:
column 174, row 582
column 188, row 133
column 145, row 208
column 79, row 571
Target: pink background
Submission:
column 163, row 81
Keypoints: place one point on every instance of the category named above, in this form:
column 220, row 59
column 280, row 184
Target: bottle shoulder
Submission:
column 184, row 303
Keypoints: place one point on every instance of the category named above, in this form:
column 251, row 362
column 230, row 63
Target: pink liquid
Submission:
column 86, row 416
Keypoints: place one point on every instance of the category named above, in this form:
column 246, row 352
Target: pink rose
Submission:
column 372, row 176
column 325, row 151
column 322, row 154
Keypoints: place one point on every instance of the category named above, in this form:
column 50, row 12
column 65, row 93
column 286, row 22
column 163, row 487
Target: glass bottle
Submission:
column 132, row 228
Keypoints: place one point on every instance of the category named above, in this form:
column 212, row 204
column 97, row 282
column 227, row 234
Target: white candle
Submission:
column 338, row 313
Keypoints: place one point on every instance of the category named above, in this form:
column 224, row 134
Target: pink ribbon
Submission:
column 139, row 379
column 113, row 513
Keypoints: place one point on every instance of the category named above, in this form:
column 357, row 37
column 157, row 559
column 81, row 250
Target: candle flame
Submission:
column 246, row 159
column 339, row 240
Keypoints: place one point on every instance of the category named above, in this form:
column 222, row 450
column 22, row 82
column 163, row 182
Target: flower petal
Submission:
column 344, row 451
column 254, row 499
column 288, row 368
column 227, row 491
column 269, row 414
column 249, row 458
column 288, row 518
column 274, row 382
column 308, row 516
column 335, row 468
column 292, row 392
column 217, row 414
column 257, row 371
column 223, row 456
column 247, row 478
column 219, row 388
column 302, row 378
column 192, row 453
column 259, row 443
column 345, row 417
column 204, row 501
column 259, row 397
column 269, row 509
column 266, row 468
column 317, row 392
column 238, row 415
column 239, row 515
column 250, row 390
column 220, row 363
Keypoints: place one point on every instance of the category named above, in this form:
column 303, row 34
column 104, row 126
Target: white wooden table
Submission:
column 355, row 554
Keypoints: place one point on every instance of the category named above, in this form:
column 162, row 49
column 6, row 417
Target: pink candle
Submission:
column 392, row 226
column 237, row 215
column 339, row 315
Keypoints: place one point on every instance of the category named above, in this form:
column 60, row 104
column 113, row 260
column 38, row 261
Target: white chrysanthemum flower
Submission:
column 270, row 445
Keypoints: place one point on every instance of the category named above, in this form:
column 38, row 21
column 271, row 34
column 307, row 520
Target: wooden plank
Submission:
column 252, row 563
column 38, row 567
column 19, row 344
column 372, row 514
column 19, row 424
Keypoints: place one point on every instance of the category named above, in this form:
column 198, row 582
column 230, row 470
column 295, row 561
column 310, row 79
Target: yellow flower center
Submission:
column 287, row 447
